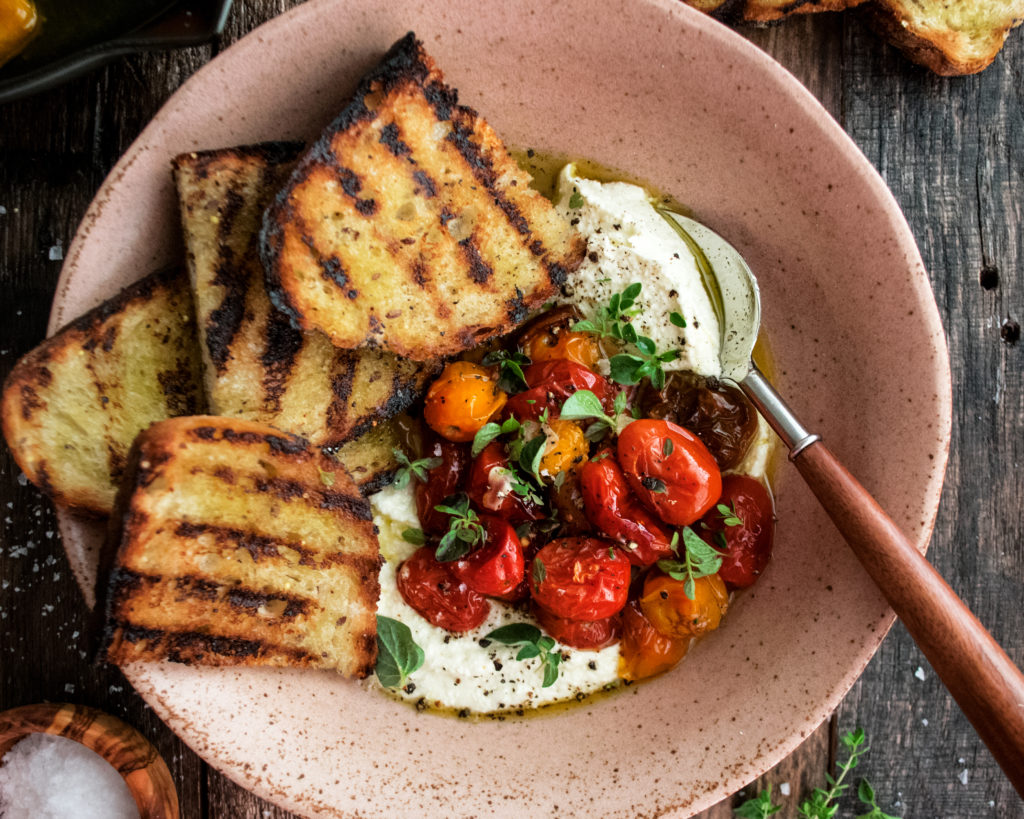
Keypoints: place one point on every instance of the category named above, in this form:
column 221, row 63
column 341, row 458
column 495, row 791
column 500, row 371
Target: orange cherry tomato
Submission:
column 672, row 613
column 591, row 635
column 670, row 470
column 644, row 651
column 568, row 450
column 548, row 337
column 462, row 400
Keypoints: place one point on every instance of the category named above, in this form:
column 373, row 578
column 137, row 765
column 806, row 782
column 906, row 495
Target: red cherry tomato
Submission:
column 580, row 578
column 442, row 481
column 645, row 651
column 589, row 635
column 612, row 507
column 490, row 487
column 551, row 383
column 670, row 470
column 438, row 595
column 497, row 567
column 748, row 545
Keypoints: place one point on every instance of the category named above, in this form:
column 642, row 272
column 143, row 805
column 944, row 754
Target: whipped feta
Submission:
column 458, row 672
column 629, row 241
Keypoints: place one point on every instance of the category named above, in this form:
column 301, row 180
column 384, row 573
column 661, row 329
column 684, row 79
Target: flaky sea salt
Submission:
column 919, row 673
column 50, row 777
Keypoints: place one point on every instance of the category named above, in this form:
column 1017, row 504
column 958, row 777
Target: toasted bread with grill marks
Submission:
column 234, row 543
column 408, row 226
column 257, row 365
column 72, row 406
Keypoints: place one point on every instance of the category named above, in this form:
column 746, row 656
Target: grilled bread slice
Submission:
column 257, row 366
column 370, row 458
column 234, row 543
column 72, row 406
column 408, row 226
column 949, row 38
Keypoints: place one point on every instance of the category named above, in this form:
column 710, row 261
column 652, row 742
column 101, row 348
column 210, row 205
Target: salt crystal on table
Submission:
column 51, row 777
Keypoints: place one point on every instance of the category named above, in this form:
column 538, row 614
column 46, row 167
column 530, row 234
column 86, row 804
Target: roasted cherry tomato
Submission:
column 566, row 497
column 591, row 635
column 671, row 612
column 748, row 545
column 462, row 400
column 496, row 568
column 548, row 337
column 613, row 508
column 551, row 382
column 644, row 651
column 490, row 487
column 442, row 481
column 438, row 595
column 566, row 448
column 717, row 413
column 670, row 470
column 580, row 578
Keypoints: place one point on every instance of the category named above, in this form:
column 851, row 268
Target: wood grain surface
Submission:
column 951, row 150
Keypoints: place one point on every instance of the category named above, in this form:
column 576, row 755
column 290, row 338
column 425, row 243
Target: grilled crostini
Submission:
column 408, row 226
column 72, row 406
column 234, row 543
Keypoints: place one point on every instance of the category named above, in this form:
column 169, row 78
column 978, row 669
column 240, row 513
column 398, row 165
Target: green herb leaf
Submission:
column 698, row 560
column 576, row 200
column 464, row 530
column 677, row 319
column 667, row 447
column 625, row 368
column 412, row 469
column 398, row 655
column 760, row 807
column 550, row 665
column 414, row 536
column 510, row 369
column 531, row 455
column 538, row 571
column 486, row 434
column 531, row 644
column 515, row 633
column 654, row 485
column 729, row 515
column 580, row 405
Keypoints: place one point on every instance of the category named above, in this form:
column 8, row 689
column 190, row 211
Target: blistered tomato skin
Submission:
column 490, row 487
column 644, row 651
column 442, row 482
column 551, row 383
column 495, row 568
column 568, row 449
column 613, row 508
column 672, row 613
column 462, row 400
column 670, row 470
column 592, row 635
column 580, row 578
column 749, row 544
column 442, row 599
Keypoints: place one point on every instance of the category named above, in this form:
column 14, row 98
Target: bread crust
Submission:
column 408, row 226
column 230, row 546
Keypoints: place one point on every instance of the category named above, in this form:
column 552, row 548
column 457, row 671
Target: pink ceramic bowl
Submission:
column 656, row 89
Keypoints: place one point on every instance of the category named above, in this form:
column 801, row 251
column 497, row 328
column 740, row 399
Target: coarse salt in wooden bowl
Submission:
column 131, row 754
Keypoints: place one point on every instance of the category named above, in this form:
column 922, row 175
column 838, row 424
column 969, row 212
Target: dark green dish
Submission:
column 78, row 35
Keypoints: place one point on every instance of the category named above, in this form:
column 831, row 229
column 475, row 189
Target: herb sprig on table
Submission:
column 614, row 321
column 823, row 803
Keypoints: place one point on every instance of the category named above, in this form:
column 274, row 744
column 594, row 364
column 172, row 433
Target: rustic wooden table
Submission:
column 951, row 150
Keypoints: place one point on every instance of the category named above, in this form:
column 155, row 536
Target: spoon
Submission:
column 986, row 684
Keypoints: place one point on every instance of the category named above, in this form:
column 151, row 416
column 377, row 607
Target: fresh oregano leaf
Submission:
column 398, row 654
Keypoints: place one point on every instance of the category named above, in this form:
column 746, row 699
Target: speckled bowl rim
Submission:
column 286, row 793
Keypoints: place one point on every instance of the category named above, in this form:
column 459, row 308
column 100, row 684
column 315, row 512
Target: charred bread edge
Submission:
column 34, row 362
column 935, row 51
column 405, row 60
column 273, row 152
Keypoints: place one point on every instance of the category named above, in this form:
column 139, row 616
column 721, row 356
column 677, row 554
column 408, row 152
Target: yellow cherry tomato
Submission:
column 570, row 449
column 462, row 400
column 671, row 612
column 644, row 651
column 579, row 347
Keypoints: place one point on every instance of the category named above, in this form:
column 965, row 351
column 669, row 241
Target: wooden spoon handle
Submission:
column 986, row 684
